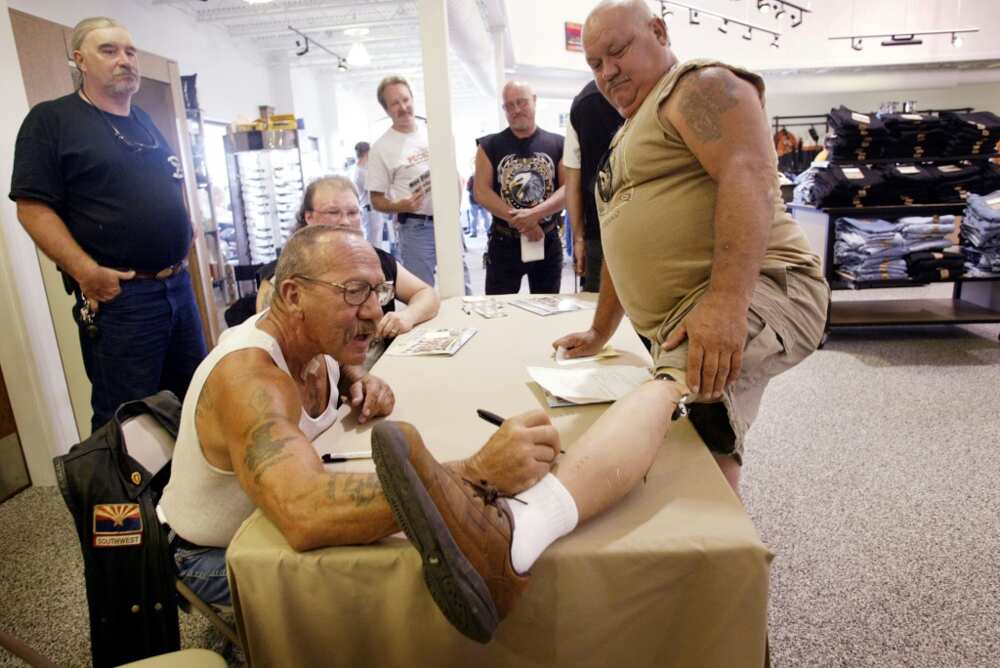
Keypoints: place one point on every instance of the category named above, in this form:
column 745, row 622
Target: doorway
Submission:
column 13, row 469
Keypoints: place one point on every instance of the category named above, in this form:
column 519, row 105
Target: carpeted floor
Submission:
column 871, row 474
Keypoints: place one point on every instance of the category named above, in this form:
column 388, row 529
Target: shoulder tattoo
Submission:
column 703, row 100
column 264, row 450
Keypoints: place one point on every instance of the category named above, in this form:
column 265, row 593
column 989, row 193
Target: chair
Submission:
column 246, row 304
column 187, row 658
column 152, row 446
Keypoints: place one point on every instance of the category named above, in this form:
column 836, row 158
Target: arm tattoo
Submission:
column 264, row 450
column 206, row 403
column 359, row 488
column 703, row 101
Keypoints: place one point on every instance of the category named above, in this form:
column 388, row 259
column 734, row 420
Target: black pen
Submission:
column 495, row 419
column 489, row 416
column 340, row 458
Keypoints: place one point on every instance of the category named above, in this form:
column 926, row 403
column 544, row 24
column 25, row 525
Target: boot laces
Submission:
column 488, row 493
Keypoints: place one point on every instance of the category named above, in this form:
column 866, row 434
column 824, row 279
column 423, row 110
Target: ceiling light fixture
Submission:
column 695, row 13
column 357, row 31
column 305, row 42
column 358, row 55
column 779, row 7
column 908, row 38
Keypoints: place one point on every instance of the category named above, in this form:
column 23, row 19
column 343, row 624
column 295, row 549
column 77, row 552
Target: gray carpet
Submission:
column 872, row 473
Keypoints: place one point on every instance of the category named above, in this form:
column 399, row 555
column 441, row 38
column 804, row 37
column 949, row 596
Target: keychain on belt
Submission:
column 87, row 316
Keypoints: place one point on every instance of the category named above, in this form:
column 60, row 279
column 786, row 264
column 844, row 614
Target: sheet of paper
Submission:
column 532, row 251
column 430, row 342
column 607, row 352
column 582, row 386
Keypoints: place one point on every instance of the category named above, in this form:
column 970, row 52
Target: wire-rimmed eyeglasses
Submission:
column 357, row 292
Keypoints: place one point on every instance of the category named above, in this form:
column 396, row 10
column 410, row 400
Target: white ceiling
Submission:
column 392, row 40
column 534, row 41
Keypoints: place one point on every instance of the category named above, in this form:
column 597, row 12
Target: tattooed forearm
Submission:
column 264, row 451
column 704, row 98
column 361, row 489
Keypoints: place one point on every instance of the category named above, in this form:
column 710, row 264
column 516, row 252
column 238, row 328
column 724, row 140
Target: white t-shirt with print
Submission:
column 571, row 148
column 399, row 164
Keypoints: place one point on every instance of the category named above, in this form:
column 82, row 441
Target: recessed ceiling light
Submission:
column 356, row 32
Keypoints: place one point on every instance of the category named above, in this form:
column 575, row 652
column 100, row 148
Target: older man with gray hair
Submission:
column 100, row 191
column 520, row 180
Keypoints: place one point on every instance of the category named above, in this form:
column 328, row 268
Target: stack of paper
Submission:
column 588, row 386
column 550, row 304
column 430, row 342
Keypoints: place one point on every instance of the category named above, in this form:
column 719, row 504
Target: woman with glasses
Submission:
column 333, row 200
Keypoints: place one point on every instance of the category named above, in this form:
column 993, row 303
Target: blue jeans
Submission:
column 417, row 248
column 504, row 268
column 203, row 569
column 149, row 339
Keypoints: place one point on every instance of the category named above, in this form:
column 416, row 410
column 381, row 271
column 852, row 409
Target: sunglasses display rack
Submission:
column 268, row 185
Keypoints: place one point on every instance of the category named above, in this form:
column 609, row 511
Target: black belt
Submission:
column 161, row 274
column 403, row 217
column 504, row 230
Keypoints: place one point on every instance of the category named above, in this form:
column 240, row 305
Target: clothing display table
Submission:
column 675, row 575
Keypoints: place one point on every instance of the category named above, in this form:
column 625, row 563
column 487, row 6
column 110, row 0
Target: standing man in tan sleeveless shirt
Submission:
column 700, row 253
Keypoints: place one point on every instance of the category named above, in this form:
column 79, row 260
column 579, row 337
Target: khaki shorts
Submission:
column 786, row 323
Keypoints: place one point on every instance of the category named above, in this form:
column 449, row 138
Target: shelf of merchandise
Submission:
column 223, row 288
column 847, row 162
column 974, row 300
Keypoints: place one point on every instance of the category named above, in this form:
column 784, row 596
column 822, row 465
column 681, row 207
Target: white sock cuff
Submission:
column 552, row 498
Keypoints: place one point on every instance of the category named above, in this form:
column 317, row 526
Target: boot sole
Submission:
column 457, row 588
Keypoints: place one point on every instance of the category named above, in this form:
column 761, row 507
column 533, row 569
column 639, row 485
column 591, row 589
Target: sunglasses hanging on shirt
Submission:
column 132, row 145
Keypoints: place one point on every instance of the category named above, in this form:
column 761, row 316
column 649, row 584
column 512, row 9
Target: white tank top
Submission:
column 204, row 504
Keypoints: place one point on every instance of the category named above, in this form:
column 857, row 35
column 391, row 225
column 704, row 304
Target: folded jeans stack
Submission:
column 927, row 239
column 836, row 185
column 926, row 266
column 973, row 133
column 913, row 136
column 855, row 136
column 874, row 249
column 980, row 235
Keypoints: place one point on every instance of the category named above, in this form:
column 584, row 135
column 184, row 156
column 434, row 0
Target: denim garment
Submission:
column 203, row 569
column 504, row 268
column 417, row 248
column 149, row 339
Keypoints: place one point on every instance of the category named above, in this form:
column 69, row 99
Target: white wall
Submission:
column 28, row 351
column 538, row 36
column 232, row 80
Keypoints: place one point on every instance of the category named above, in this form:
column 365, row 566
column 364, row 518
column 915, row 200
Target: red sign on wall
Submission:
column 574, row 36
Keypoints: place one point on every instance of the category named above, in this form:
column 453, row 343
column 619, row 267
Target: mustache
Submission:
column 363, row 329
column 617, row 81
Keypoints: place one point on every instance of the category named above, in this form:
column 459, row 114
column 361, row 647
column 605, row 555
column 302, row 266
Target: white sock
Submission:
column 547, row 514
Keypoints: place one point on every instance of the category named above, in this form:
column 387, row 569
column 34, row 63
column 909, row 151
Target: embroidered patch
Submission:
column 117, row 525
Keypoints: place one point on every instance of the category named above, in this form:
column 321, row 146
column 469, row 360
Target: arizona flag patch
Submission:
column 117, row 525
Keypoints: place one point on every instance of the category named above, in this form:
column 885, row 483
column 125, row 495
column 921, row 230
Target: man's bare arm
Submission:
column 255, row 411
column 607, row 317
column 50, row 233
column 482, row 187
column 574, row 205
column 721, row 118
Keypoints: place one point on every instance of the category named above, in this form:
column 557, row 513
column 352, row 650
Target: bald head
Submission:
column 519, row 106
column 317, row 249
column 627, row 49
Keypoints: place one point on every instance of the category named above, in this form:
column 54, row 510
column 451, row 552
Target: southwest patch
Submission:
column 117, row 525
